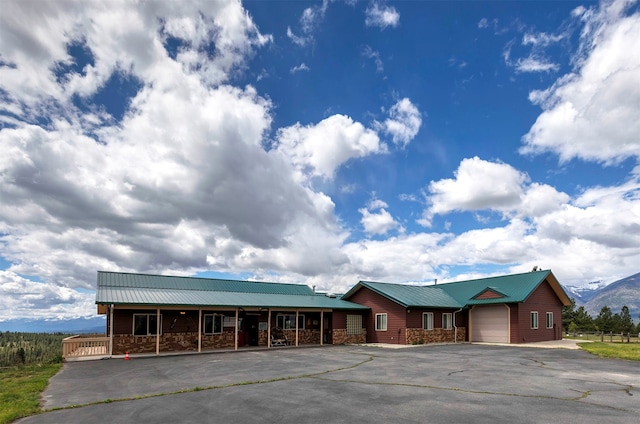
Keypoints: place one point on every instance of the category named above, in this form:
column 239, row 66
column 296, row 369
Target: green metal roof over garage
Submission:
column 411, row 296
column 514, row 288
column 146, row 289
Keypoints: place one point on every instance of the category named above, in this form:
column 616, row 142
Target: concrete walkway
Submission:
column 553, row 344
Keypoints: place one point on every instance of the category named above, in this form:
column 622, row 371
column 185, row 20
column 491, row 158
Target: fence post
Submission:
column 602, row 336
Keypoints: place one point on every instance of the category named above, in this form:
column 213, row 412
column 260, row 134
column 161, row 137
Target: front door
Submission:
column 326, row 330
column 251, row 330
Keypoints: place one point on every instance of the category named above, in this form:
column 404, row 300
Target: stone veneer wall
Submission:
column 437, row 335
column 339, row 337
column 304, row 336
column 170, row 342
column 176, row 342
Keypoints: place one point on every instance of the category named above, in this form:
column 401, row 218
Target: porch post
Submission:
column 236, row 333
column 158, row 330
column 321, row 328
column 296, row 327
column 111, row 330
column 199, row 329
column 269, row 327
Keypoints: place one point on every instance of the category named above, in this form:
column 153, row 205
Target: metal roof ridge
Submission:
column 546, row 271
column 200, row 278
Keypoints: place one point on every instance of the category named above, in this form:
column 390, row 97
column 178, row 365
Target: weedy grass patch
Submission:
column 20, row 389
column 629, row 351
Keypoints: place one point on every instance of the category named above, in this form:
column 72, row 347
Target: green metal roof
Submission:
column 515, row 288
column 144, row 289
column 415, row 296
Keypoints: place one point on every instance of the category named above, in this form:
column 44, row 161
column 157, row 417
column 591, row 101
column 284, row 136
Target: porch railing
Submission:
column 77, row 346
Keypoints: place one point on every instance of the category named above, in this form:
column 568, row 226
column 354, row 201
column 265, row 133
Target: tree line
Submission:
column 578, row 320
column 30, row 348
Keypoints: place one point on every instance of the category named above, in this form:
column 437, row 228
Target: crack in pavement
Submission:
column 213, row 387
column 584, row 394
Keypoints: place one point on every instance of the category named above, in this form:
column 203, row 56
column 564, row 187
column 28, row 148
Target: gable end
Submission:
column 489, row 293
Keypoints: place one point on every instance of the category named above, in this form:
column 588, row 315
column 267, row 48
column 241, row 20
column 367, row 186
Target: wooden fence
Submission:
column 77, row 346
column 601, row 336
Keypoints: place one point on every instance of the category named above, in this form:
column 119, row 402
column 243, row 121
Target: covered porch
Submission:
column 138, row 329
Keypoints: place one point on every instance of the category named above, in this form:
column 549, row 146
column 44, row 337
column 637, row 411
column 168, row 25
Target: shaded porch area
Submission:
column 160, row 330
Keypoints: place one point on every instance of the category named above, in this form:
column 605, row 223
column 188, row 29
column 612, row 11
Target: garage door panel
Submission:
column 490, row 324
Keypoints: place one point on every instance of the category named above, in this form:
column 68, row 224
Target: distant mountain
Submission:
column 584, row 294
column 71, row 326
column 615, row 296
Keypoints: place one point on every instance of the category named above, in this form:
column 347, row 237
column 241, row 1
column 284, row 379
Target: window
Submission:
column 146, row 324
column 447, row 321
column 354, row 325
column 534, row 320
column 288, row 322
column 549, row 319
column 381, row 322
column 427, row 320
column 213, row 323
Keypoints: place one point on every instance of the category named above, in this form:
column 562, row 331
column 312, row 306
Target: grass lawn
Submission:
column 20, row 389
column 613, row 350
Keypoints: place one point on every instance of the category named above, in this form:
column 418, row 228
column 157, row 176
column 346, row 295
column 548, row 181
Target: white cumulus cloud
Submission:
column 592, row 113
column 403, row 123
column 318, row 150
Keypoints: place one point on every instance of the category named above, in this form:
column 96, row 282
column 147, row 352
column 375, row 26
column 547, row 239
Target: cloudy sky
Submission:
column 314, row 142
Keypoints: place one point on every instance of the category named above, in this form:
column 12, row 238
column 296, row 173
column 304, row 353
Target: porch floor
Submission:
column 92, row 354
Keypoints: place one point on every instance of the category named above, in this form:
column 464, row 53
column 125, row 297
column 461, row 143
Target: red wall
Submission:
column 514, row 318
column 542, row 300
column 396, row 317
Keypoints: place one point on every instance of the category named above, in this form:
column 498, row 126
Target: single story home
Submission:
column 514, row 308
column 156, row 313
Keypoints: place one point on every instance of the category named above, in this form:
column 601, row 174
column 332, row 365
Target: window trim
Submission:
column 450, row 321
column 300, row 323
column 213, row 327
column 149, row 333
column 385, row 318
column 549, row 321
column 534, row 323
column 429, row 322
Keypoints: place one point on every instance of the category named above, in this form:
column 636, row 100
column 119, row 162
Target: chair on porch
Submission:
column 278, row 338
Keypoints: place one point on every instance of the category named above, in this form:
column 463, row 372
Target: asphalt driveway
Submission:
column 350, row 384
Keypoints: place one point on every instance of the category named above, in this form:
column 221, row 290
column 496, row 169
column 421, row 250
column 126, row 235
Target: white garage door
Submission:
column 490, row 324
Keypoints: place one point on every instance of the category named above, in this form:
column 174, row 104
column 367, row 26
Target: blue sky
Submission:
column 315, row 142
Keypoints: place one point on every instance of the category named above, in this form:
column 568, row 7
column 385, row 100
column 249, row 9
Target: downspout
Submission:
column 111, row 330
column 455, row 328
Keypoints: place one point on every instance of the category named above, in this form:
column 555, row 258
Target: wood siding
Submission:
column 489, row 294
column 514, row 335
column 399, row 319
column 542, row 300
column 396, row 317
